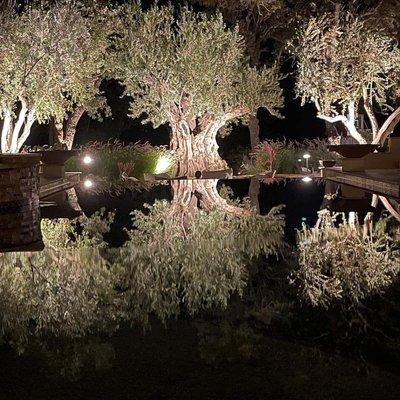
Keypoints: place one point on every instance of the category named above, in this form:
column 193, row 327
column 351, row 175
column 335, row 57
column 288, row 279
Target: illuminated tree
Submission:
column 198, row 245
column 270, row 21
column 191, row 73
column 67, row 290
column 345, row 63
column 89, row 68
column 50, row 57
column 257, row 20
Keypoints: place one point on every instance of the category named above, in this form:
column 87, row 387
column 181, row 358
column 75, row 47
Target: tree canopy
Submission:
column 50, row 57
column 343, row 62
column 189, row 66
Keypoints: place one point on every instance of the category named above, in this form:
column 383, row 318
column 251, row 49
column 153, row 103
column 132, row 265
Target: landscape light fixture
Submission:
column 88, row 184
column 306, row 157
column 163, row 164
column 306, row 179
column 87, row 160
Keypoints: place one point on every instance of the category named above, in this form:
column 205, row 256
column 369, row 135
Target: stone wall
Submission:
column 19, row 206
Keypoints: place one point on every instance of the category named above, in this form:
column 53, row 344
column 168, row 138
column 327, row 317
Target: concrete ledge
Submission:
column 50, row 187
column 385, row 182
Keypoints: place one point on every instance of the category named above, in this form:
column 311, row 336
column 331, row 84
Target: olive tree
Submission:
column 49, row 57
column 88, row 69
column 345, row 63
column 194, row 250
column 192, row 73
column 67, row 290
column 258, row 21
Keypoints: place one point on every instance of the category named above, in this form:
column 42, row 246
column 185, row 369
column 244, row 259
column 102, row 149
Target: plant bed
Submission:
column 57, row 157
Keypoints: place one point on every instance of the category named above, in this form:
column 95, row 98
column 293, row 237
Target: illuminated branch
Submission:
column 370, row 113
column 390, row 208
column 388, row 127
column 343, row 59
column 5, row 130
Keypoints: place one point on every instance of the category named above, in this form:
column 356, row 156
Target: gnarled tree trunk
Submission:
column 65, row 133
column 14, row 135
column 196, row 149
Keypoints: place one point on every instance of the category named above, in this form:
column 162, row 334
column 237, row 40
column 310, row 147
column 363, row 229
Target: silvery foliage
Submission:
column 165, row 61
column 199, row 267
column 78, row 285
column 343, row 59
column 53, row 57
column 337, row 262
column 66, row 290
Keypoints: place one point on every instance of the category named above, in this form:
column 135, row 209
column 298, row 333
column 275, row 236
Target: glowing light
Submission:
column 163, row 164
column 88, row 183
column 87, row 159
column 306, row 157
column 299, row 160
column 306, row 179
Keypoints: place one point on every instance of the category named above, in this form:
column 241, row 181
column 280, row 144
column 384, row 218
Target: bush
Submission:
column 287, row 155
column 338, row 262
column 112, row 159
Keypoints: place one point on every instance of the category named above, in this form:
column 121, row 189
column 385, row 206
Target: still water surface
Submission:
column 245, row 342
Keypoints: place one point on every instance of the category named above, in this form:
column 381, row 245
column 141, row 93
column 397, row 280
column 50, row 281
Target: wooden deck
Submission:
column 385, row 182
column 49, row 187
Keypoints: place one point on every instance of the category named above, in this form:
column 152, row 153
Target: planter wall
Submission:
column 19, row 205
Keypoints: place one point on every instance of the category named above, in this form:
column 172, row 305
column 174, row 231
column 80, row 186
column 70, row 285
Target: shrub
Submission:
column 338, row 262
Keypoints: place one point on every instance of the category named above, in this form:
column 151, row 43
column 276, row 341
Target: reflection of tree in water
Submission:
column 189, row 195
column 184, row 256
column 350, row 284
column 194, row 250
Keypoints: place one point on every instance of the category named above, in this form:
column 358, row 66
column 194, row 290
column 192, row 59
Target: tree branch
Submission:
column 332, row 120
column 347, row 122
column 388, row 127
column 370, row 113
column 18, row 126
column 72, row 123
column 5, row 130
column 30, row 119
column 352, row 113
column 389, row 207
column 236, row 113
